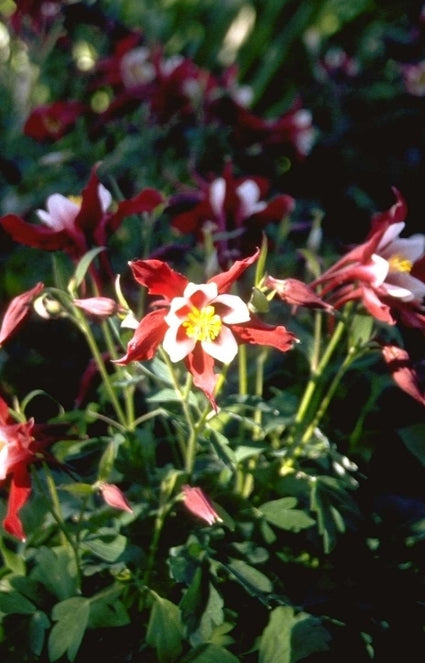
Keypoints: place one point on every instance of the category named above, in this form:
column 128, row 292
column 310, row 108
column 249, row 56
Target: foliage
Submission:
column 212, row 393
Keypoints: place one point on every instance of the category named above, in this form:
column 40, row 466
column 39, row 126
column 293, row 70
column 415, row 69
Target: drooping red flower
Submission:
column 198, row 323
column 18, row 449
column 386, row 273
column 402, row 370
column 52, row 121
column 198, row 503
column 114, row 497
column 77, row 224
column 17, row 310
column 233, row 210
column 296, row 293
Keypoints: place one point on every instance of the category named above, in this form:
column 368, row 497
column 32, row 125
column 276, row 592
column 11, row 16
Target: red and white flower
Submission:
column 198, row 323
column 386, row 272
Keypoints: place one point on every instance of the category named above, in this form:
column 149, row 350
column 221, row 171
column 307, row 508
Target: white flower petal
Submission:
column 405, row 286
column 61, row 212
column 217, row 194
column 105, row 197
column 410, row 248
column 210, row 290
column 224, row 347
column 389, row 235
column 379, row 269
column 249, row 193
column 239, row 311
column 177, row 349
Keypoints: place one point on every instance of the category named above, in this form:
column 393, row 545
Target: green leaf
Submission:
column 290, row 637
column 12, row 561
column 39, row 623
column 253, row 580
column 361, row 328
column 282, row 514
column 13, row 603
column 84, row 265
column 106, row 463
column 71, row 618
column 164, row 632
column 108, row 547
column 107, row 611
column 56, row 570
column 414, row 439
column 212, row 617
column 209, row 653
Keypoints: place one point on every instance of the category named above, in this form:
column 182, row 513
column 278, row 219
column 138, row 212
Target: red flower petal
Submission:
column 20, row 490
column 147, row 337
column 257, row 332
column 33, row 235
column 18, row 309
column 201, row 366
column 197, row 502
column 226, row 279
column 159, row 278
column 398, row 361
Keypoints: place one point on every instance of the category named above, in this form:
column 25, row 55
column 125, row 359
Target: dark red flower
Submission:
column 77, row 224
column 232, row 210
column 52, row 121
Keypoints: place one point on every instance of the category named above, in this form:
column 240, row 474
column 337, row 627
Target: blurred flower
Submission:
column 198, row 323
column 386, row 273
column 17, row 310
column 232, row 210
column 197, row 502
column 414, row 78
column 114, row 497
column 52, row 121
column 76, row 224
column 294, row 129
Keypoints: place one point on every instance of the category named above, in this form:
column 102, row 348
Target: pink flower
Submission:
column 18, row 309
column 386, row 272
column 114, row 497
column 198, row 323
column 196, row 501
column 100, row 307
column 18, row 449
column 296, row 293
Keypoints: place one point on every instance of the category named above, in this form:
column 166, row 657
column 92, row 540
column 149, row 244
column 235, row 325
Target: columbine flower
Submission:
column 233, row 210
column 197, row 502
column 386, row 272
column 99, row 307
column 18, row 448
column 198, row 323
column 17, row 311
column 77, row 224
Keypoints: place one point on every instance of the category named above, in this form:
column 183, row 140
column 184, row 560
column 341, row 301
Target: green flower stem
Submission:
column 243, row 373
column 327, row 398
column 313, row 384
column 184, row 394
column 91, row 341
column 56, row 511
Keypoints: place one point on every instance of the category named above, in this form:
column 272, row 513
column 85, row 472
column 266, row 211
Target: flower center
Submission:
column 399, row 264
column 77, row 200
column 203, row 324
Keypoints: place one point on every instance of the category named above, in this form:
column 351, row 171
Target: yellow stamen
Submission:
column 77, row 200
column 399, row 264
column 203, row 324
